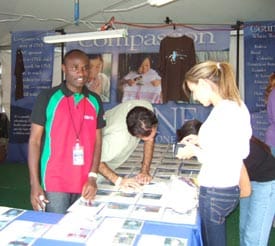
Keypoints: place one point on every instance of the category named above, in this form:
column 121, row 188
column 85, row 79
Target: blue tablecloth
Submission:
column 190, row 232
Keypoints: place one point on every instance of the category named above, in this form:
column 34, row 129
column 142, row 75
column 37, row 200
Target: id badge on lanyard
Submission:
column 78, row 154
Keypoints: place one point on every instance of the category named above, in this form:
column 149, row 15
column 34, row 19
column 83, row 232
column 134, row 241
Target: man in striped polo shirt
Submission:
column 65, row 139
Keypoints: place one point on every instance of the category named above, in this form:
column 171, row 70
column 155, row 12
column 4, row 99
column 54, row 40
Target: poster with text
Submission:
column 32, row 70
column 259, row 47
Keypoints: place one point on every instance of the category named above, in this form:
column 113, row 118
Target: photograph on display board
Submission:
column 124, row 238
column 138, row 78
column 99, row 75
column 132, row 225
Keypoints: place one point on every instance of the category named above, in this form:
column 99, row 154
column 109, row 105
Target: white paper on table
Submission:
column 171, row 216
column 151, row 199
column 182, row 195
column 73, row 227
column 127, row 195
column 116, row 209
column 150, row 212
column 124, row 196
column 161, row 171
column 153, row 194
column 116, row 231
column 11, row 212
column 21, row 232
column 3, row 209
column 104, row 195
column 155, row 187
column 4, row 220
column 106, row 186
column 147, row 239
column 86, row 208
column 7, row 215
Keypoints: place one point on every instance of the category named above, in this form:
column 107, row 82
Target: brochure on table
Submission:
column 174, row 201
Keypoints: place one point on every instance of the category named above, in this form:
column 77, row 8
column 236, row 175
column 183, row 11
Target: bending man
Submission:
column 126, row 125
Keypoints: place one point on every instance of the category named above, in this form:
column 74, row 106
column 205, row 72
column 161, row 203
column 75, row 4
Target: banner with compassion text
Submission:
column 119, row 54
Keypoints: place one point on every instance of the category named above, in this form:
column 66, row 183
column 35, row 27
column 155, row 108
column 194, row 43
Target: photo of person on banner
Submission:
column 142, row 81
column 99, row 81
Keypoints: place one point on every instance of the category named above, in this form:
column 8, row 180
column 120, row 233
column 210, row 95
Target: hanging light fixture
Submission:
column 103, row 34
column 73, row 37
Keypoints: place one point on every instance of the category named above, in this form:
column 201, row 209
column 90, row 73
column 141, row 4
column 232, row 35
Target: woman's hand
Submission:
column 186, row 152
column 191, row 143
column 192, row 138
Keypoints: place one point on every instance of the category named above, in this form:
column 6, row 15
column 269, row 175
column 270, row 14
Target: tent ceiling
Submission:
column 18, row 15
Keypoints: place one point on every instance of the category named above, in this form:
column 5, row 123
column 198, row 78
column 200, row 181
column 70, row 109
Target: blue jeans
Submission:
column 272, row 148
column 256, row 214
column 214, row 205
column 59, row 202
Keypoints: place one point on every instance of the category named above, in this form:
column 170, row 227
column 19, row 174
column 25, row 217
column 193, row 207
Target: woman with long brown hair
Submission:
column 221, row 145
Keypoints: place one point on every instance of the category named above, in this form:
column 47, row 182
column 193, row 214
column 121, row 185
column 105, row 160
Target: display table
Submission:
column 150, row 231
column 163, row 212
